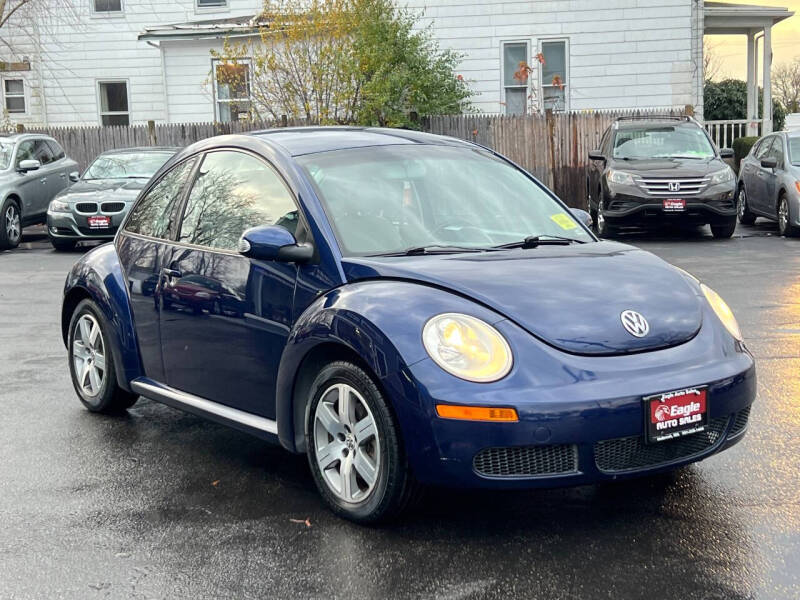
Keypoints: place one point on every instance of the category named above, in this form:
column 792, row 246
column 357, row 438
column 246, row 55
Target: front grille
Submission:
column 112, row 207
column 86, row 207
column 631, row 453
column 739, row 422
column 659, row 186
column 526, row 461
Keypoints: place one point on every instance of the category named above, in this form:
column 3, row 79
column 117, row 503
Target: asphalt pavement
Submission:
column 159, row 504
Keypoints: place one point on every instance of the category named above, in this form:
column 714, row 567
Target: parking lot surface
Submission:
column 160, row 504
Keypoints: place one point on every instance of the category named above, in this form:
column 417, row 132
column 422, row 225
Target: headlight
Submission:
column 722, row 176
column 59, row 206
column 723, row 311
column 467, row 347
column 620, row 178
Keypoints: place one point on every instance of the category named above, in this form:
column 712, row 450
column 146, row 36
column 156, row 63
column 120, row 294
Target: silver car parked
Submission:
column 33, row 169
column 769, row 182
column 95, row 206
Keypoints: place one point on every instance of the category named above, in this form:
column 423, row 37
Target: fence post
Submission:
column 284, row 121
column 151, row 133
column 20, row 128
column 551, row 143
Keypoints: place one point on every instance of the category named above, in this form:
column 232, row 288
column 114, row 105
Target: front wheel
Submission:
column 354, row 447
column 91, row 363
column 743, row 209
column 725, row 230
column 785, row 226
column 10, row 225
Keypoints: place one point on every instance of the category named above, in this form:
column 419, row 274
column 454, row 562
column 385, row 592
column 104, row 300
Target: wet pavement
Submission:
column 160, row 504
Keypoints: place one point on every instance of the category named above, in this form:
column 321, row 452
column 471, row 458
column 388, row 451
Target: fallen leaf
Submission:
column 306, row 522
column 214, row 483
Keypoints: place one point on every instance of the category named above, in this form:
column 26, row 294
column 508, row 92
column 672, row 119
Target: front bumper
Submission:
column 584, row 423
column 72, row 226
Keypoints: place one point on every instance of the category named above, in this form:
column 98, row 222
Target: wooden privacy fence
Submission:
column 554, row 147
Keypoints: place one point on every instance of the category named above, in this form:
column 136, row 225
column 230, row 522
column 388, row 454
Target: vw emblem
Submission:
column 634, row 323
column 674, row 186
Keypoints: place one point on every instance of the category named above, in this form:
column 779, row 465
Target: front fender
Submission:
column 381, row 322
column 98, row 275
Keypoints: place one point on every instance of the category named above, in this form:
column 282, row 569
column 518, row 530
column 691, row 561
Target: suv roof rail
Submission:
column 653, row 117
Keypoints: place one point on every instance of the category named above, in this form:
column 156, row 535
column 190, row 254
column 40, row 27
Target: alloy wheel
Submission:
column 783, row 215
column 347, row 444
column 88, row 355
column 741, row 205
column 12, row 223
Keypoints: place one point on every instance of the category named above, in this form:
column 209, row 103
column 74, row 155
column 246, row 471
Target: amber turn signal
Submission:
column 477, row 413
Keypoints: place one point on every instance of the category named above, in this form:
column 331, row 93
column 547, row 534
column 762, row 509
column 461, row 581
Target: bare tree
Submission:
column 712, row 64
column 786, row 84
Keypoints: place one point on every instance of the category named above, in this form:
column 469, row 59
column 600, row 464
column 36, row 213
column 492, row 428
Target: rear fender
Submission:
column 98, row 275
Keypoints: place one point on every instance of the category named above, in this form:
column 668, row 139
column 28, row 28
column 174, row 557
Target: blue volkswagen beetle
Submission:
column 405, row 309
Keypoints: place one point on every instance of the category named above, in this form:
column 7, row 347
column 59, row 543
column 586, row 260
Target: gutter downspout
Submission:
column 42, row 93
column 163, row 78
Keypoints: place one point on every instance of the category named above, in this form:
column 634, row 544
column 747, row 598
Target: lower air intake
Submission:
column 631, row 453
column 526, row 461
column 739, row 422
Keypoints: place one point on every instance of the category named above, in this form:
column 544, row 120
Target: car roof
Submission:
column 16, row 137
column 643, row 123
column 297, row 141
column 140, row 149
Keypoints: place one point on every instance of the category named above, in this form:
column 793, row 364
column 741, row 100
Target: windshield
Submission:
column 388, row 199
column 126, row 165
column 665, row 141
column 794, row 150
column 6, row 149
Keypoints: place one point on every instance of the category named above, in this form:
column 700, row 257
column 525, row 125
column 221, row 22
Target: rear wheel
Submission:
column 742, row 209
column 724, row 230
column 785, row 226
column 10, row 225
column 354, row 447
column 91, row 362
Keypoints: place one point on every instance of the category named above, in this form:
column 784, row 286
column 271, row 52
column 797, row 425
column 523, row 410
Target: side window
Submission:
column 25, row 151
column 233, row 192
column 777, row 150
column 151, row 214
column 764, row 148
column 42, row 152
column 58, row 151
column 604, row 142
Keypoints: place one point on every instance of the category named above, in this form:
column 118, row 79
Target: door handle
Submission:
column 63, row 175
column 43, row 180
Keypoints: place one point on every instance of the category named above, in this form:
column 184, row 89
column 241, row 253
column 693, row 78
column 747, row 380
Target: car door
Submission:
column 772, row 177
column 30, row 183
column 757, row 188
column 141, row 245
column 61, row 166
column 596, row 168
column 225, row 318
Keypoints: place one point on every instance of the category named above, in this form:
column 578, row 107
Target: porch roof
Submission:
column 208, row 29
column 726, row 18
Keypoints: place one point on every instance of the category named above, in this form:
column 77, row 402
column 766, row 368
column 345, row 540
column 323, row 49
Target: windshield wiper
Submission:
column 532, row 241
column 434, row 249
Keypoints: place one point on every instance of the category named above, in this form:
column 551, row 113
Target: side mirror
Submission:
column 582, row 216
column 769, row 163
column 273, row 242
column 74, row 176
column 596, row 155
column 726, row 153
column 28, row 165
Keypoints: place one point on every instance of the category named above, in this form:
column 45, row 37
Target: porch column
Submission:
column 752, row 84
column 766, row 109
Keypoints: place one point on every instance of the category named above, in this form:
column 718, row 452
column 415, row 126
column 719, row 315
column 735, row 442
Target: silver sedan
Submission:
column 769, row 182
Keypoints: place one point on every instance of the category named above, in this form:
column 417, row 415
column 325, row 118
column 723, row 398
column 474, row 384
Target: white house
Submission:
column 130, row 62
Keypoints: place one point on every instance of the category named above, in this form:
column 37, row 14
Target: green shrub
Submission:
column 741, row 146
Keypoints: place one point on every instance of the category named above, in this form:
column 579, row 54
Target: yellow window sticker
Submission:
column 563, row 221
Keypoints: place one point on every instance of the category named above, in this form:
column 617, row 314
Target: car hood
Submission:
column 670, row 167
column 571, row 297
column 99, row 189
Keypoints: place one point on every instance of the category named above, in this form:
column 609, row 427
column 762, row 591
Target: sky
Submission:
column 732, row 49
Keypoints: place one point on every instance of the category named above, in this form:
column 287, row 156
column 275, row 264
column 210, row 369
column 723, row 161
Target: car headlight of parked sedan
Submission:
column 722, row 176
column 59, row 206
column 620, row 178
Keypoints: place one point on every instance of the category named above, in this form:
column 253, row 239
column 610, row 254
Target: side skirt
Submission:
column 253, row 424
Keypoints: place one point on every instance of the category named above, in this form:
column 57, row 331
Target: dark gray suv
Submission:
column 33, row 169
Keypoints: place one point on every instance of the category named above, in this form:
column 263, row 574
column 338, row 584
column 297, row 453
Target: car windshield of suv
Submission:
column 6, row 149
column 662, row 141
column 390, row 199
column 794, row 150
column 130, row 165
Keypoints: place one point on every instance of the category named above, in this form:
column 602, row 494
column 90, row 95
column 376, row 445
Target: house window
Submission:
column 14, row 94
column 554, row 75
column 231, row 90
column 515, row 77
column 107, row 6
column 114, row 103
column 212, row 3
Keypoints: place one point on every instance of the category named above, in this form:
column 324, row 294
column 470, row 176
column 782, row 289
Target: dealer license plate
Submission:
column 99, row 222
column 674, row 204
column 675, row 414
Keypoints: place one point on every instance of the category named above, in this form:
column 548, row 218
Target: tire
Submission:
column 725, row 230
column 97, row 388
column 785, row 226
column 334, row 447
column 604, row 230
column 10, row 225
column 63, row 245
column 742, row 209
